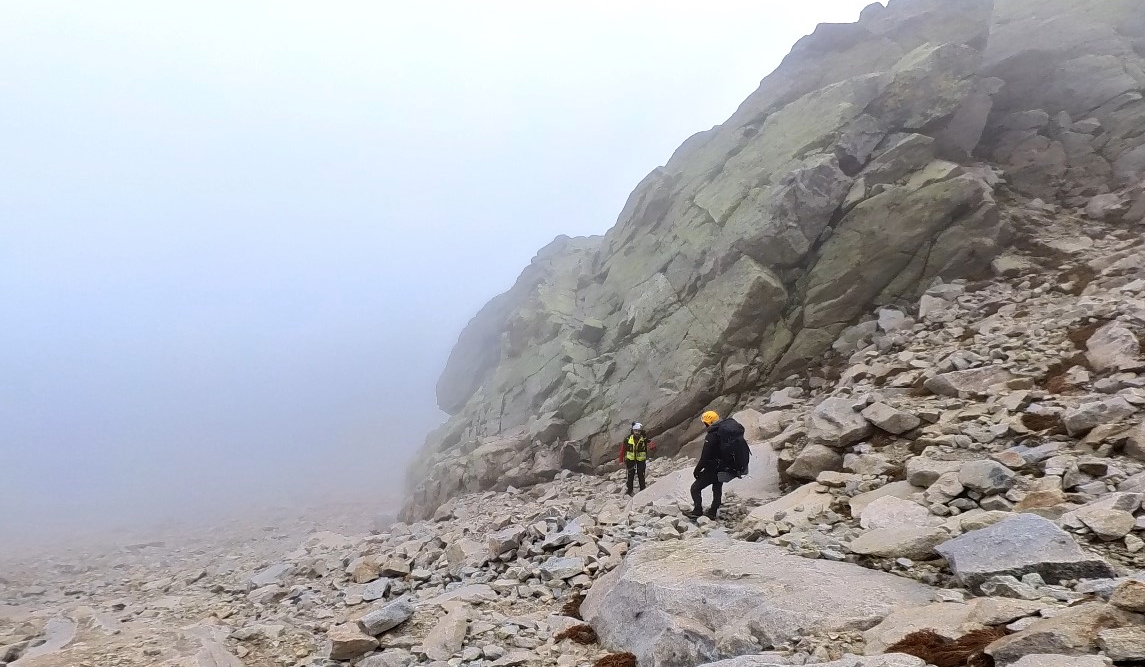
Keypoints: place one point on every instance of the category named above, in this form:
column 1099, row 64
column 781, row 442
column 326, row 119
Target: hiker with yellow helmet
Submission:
column 725, row 457
column 634, row 454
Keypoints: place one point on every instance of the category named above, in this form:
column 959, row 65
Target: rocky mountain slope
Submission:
column 953, row 232
column 878, row 158
column 972, row 465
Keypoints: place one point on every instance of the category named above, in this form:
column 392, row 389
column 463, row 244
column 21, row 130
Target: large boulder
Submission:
column 838, row 422
column 1024, row 544
column 1074, row 630
column 706, row 589
column 914, row 542
column 968, row 382
column 1085, row 417
column 1113, row 347
column 801, row 507
column 948, row 619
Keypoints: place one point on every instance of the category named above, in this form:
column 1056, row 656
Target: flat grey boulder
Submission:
column 1113, row 347
column 889, row 419
column 986, row 477
column 561, row 568
column 271, row 576
column 1082, row 419
column 968, row 382
column 892, row 512
column 387, row 617
column 948, row 619
column 671, row 603
column 448, row 636
column 1024, row 544
column 837, row 422
column 914, row 542
column 1074, row 630
column 813, row 460
column 376, row 590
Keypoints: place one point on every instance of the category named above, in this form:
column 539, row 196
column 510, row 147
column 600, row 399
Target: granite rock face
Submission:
column 862, row 170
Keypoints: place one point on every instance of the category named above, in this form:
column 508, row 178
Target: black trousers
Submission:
column 635, row 468
column 702, row 482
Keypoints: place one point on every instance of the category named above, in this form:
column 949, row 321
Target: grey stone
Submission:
column 265, row 595
column 1129, row 595
column 782, row 660
column 892, row 512
column 969, row 382
column 922, row 471
column 347, row 642
column 1017, row 546
column 1106, row 207
column 868, row 464
column 1009, row 587
column 271, row 576
column 1123, row 644
column 1107, row 524
column 1054, row 660
column 812, row 460
column 986, row 477
column 465, row 552
column 501, row 541
column 836, row 422
column 562, row 568
column 1113, row 347
column 448, row 636
column 387, row 617
column 376, row 590
column 388, row 658
column 902, row 490
column 762, row 591
column 889, row 419
column 914, row 542
column 1073, row 630
column 1082, row 419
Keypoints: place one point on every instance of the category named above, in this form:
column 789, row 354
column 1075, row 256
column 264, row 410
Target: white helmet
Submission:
column 637, row 426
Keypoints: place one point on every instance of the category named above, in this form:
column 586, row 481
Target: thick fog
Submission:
column 238, row 239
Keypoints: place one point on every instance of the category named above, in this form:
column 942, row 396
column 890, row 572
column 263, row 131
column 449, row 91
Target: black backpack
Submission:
column 734, row 452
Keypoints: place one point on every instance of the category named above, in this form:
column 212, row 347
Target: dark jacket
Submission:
column 709, row 458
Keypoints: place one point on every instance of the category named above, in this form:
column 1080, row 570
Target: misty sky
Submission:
column 238, row 239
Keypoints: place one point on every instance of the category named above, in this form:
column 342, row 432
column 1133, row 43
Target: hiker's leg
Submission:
column 641, row 468
column 631, row 474
column 697, row 499
column 717, row 496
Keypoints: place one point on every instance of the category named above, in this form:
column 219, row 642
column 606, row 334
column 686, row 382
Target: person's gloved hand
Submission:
column 696, row 473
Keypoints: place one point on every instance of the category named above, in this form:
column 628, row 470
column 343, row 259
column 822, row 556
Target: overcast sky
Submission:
column 238, row 238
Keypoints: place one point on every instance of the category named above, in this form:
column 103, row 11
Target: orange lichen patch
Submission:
column 581, row 634
column 1040, row 422
column 968, row 650
column 617, row 660
column 572, row 607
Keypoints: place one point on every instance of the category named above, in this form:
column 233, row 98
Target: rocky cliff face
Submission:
column 879, row 157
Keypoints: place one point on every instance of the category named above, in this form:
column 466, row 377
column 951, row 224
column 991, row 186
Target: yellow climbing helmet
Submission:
column 710, row 417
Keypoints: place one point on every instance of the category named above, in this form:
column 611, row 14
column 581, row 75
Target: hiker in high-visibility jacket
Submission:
column 634, row 454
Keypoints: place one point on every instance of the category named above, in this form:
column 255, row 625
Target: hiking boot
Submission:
column 695, row 513
column 712, row 514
